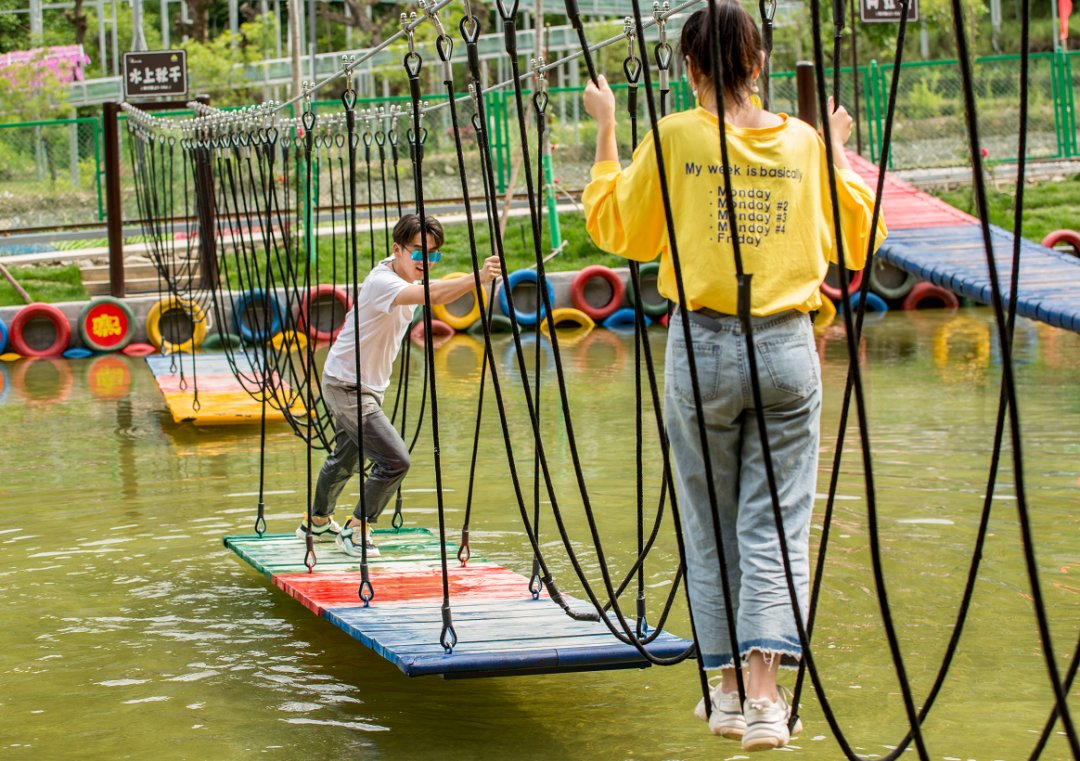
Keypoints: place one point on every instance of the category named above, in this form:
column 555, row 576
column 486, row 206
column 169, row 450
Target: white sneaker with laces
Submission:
column 348, row 541
column 767, row 722
column 727, row 717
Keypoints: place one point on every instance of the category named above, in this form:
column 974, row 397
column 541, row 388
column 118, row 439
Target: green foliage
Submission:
column 30, row 91
column 48, row 284
column 217, row 67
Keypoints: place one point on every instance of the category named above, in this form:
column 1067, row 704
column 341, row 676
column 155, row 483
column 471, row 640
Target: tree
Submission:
column 78, row 21
column 199, row 28
column 358, row 15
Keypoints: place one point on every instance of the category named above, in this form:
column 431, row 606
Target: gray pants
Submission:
column 382, row 445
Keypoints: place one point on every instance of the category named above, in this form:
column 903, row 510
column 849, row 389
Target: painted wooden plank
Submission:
column 955, row 258
column 501, row 629
column 223, row 399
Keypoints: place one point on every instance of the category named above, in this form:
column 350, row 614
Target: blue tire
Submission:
column 3, row 336
column 247, row 326
column 622, row 319
column 874, row 303
column 512, row 282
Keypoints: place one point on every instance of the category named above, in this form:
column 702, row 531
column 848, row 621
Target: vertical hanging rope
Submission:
column 417, row 136
column 348, row 99
column 308, row 119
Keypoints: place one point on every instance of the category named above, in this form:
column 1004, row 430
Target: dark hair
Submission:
column 739, row 42
column 408, row 227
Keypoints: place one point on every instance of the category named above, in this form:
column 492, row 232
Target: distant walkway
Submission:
column 944, row 245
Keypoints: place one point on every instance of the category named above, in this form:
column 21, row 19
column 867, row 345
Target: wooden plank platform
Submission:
column 501, row 629
column 222, row 398
column 955, row 258
column 944, row 245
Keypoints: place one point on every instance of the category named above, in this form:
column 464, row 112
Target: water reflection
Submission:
column 171, row 648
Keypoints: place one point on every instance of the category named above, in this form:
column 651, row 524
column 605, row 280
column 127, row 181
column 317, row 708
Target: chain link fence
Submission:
column 51, row 171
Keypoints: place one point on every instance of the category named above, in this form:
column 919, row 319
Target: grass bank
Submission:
column 1048, row 206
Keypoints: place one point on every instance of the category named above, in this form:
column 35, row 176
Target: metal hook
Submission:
column 540, row 97
column 407, row 23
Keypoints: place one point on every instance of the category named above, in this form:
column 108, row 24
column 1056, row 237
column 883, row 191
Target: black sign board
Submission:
column 155, row 73
column 886, row 11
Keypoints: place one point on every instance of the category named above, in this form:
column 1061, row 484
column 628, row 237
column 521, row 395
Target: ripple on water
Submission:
column 357, row 725
column 122, row 682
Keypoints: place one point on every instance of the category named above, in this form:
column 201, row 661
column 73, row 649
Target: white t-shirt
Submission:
column 382, row 326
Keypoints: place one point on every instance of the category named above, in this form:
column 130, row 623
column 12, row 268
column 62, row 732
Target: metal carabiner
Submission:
column 540, row 96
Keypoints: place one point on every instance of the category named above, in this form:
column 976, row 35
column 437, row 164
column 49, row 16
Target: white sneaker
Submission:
column 767, row 722
column 727, row 716
column 349, row 542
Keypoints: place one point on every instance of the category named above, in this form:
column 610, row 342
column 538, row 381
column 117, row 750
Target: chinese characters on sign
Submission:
column 161, row 72
column 886, row 11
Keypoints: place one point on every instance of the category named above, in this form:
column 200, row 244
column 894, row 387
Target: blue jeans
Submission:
column 789, row 375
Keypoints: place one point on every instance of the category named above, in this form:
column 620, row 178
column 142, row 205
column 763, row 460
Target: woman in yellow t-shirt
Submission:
column 778, row 180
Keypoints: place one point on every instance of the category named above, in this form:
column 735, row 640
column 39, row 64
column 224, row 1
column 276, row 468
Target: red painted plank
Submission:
column 335, row 589
column 906, row 207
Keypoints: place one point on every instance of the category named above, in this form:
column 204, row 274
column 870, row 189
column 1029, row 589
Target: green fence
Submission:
column 50, row 171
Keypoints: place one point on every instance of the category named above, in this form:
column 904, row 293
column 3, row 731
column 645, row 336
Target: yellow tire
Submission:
column 580, row 325
column 560, row 317
column 188, row 308
column 458, row 321
column 289, row 340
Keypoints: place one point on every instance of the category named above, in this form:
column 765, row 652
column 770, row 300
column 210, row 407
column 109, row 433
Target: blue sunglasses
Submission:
column 433, row 256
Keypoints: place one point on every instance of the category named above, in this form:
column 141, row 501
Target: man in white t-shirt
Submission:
column 388, row 298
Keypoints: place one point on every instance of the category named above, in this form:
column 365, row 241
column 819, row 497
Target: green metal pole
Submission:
column 1069, row 90
column 98, row 170
column 549, row 191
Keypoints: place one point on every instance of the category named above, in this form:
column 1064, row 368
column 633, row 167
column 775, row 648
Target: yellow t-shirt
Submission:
column 780, row 186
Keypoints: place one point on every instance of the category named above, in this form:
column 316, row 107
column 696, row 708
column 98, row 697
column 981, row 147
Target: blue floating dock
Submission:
column 941, row 244
column 955, row 258
column 501, row 629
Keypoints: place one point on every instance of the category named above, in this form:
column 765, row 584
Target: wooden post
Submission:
column 114, row 212
column 806, row 88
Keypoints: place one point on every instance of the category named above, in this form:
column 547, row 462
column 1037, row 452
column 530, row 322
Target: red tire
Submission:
column 330, row 299
column 1069, row 237
column 929, row 296
column 833, row 291
column 580, row 286
column 39, row 317
column 106, row 324
column 139, row 350
column 439, row 329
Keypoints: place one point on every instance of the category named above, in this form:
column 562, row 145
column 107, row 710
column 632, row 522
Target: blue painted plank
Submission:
column 955, row 258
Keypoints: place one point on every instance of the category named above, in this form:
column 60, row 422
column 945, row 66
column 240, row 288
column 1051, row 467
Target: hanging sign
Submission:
column 155, row 73
column 886, row 11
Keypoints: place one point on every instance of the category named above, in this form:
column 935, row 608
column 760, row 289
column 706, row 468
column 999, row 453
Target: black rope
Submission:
column 413, row 62
column 366, row 591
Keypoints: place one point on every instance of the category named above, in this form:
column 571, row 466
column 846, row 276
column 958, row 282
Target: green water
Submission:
column 130, row 632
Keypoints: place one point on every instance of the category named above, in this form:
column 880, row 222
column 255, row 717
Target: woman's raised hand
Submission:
column 600, row 101
column 839, row 123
